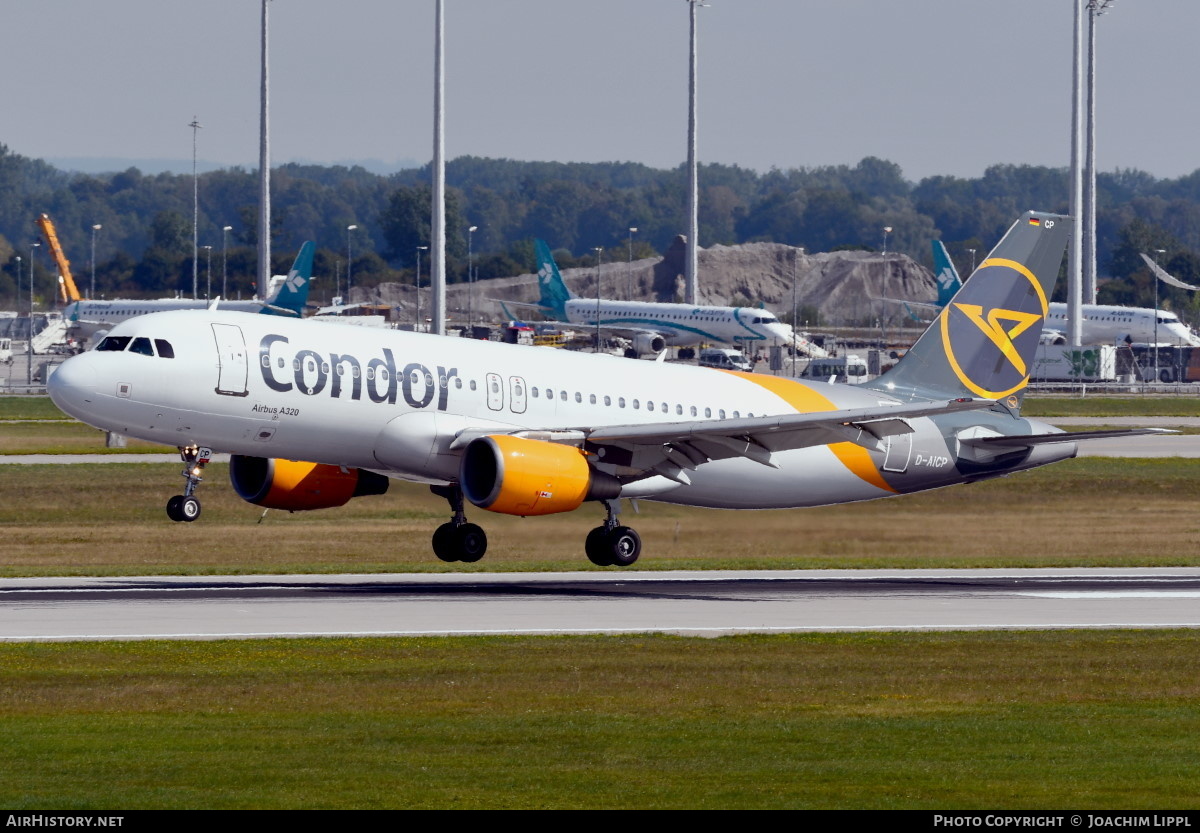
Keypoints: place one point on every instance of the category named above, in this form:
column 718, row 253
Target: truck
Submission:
column 850, row 369
column 1058, row 363
column 724, row 359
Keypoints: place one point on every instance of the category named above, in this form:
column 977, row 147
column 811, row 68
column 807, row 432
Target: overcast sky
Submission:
column 938, row 86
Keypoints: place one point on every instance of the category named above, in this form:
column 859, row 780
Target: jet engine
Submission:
column 649, row 343
column 296, row 485
column 518, row 476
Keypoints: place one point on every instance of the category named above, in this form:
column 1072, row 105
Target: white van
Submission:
column 850, row 369
column 724, row 359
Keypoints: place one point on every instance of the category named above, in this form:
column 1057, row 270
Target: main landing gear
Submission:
column 457, row 540
column 186, row 507
column 610, row 544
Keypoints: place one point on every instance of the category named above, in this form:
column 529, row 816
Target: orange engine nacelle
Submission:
column 516, row 476
column 294, row 485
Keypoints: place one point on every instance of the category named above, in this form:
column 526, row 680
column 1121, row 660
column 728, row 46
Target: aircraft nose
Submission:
column 72, row 386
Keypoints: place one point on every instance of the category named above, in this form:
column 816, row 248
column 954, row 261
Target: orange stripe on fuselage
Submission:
column 806, row 400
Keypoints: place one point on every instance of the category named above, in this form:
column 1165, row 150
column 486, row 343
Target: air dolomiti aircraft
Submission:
column 90, row 318
column 531, row 431
column 654, row 326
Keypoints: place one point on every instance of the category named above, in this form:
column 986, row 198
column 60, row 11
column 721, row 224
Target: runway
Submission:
column 712, row 603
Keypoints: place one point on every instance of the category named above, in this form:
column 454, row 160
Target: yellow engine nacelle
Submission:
column 296, row 485
column 516, row 476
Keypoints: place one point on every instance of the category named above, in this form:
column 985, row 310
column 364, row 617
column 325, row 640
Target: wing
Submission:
column 671, row 449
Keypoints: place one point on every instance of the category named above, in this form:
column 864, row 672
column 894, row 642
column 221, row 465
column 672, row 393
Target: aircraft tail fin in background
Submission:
column 292, row 296
column 948, row 281
column 554, row 292
column 983, row 343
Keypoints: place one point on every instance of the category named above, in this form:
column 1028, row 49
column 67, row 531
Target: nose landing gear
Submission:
column 612, row 545
column 457, row 540
column 186, row 507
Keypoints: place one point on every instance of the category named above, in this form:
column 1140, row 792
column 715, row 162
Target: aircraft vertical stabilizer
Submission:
column 293, row 292
column 948, row 281
column 554, row 292
column 983, row 342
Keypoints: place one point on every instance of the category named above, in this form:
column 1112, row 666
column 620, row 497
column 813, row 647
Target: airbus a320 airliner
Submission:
column 532, row 431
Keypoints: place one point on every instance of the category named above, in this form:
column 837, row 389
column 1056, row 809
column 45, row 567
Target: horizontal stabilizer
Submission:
column 1024, row 441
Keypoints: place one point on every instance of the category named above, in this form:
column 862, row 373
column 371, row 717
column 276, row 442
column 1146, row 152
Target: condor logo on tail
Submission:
column 990, row 332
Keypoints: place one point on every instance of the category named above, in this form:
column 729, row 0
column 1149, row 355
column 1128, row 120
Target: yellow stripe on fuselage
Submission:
column 805, row 400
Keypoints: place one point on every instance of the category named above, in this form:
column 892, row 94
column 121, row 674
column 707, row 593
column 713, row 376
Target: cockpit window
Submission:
column 165, row 350
column 142, row 346
column 114, row 343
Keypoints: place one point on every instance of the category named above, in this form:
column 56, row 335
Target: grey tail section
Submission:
column 292, row 296
column 984, row 341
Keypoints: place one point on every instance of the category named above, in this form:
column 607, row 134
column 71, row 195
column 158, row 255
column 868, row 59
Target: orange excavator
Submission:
column 66, row 284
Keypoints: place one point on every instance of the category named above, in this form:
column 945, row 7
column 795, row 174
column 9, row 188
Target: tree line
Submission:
column 144, row 246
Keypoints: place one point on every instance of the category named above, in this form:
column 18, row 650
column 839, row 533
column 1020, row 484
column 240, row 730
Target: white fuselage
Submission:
column 681, row 324
column 1103, row 324
column 395, row 402
column 85, row 318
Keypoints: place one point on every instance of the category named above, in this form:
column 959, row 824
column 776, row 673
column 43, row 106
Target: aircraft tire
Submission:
column 173, row 510
column 445, row 543
column 471, row 541
column 597, row 549
column 189, row 509
column 624, row 546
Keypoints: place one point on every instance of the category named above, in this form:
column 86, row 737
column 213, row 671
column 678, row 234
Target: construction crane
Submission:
column 66, row 284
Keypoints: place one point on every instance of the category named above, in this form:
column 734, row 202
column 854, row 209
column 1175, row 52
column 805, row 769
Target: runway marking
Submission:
column 1112, row 594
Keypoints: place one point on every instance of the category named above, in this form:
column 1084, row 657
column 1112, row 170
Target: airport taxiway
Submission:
column 705, row 603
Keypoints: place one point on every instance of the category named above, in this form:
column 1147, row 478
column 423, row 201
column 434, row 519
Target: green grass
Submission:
column 29, row 407
column 1102, row 720
column 106, row 519
column 1096, row 406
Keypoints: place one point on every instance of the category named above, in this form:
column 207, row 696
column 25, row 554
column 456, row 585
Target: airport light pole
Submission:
column 471, row 277
column 195, row 125
column 796, row 255
column 972, row 251
column 349, row 258
column 691, row 288
column 417, row 320
column 208, row 278
column 95, row 228
column 29, row 343
column 1160, row 253
column 886, row 231
column 225, row 261
column 629, row 268
column 599, row 250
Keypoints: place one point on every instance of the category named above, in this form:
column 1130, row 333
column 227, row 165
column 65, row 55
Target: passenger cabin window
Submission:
column 114, row 343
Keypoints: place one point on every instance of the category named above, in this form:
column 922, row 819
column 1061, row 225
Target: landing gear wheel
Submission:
column 687, row 353
column 444, row 544
column 624, row 546
column 472, row 543
column 173, row 510
column 596, row 547
column 189, row 509
column 630, row 353
column 464, row 542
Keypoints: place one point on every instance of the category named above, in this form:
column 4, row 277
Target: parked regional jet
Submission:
column 654, row 326
column 526, row 431
column 88, row 318
column 1102, row 323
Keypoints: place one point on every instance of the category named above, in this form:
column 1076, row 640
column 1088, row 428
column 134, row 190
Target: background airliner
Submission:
column 654, row 326
column 90, row 318
column 315, row 415
column 1102, row 323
